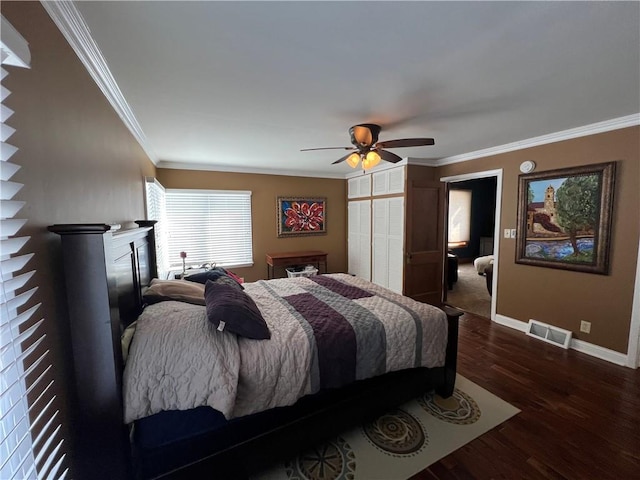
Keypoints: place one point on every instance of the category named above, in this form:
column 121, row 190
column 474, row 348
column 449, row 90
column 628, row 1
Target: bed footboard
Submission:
column 451, row 359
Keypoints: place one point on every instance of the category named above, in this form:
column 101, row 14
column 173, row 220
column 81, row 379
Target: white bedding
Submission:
column 481, row 263
column 178, row 361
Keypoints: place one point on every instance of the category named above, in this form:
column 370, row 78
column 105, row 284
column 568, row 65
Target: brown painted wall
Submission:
column 79, row 163
column 265, row 189
column 564, row 298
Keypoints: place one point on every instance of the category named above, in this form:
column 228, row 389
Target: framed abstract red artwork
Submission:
column 299, row 216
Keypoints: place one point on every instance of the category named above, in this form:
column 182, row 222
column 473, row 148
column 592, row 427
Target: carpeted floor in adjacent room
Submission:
column 470, row 292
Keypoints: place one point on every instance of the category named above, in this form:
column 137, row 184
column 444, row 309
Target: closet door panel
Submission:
column 380, row 253
column 364, row 253
column 388, row 241
column 359, row 187
column 380, row 274
column 359, row 238
column 395, row 264
column 395, row 243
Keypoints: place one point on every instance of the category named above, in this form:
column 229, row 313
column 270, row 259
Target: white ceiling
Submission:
column 244, row 86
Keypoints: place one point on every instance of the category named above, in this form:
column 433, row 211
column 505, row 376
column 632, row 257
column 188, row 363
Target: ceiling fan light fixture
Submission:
column 353, row 160
column 364, row 138
column 361, row 135
column 371, row 160
column 364, row 135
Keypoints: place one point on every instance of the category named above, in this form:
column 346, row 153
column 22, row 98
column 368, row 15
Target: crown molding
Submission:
column 235, row 169
column 382, row 166
column 423, row 162
column 592, row 129
column 74, row 29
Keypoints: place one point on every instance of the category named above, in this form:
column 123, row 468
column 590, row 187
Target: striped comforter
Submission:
column 326, row 331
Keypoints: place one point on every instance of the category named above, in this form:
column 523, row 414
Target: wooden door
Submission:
column 424, row 247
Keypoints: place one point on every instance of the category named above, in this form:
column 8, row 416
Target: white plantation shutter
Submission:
column 157, row 210
column 211, row 226
column 30, row 443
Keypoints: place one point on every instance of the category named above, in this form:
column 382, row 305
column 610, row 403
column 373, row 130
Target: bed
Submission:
column 261, row 419
column 481, row 263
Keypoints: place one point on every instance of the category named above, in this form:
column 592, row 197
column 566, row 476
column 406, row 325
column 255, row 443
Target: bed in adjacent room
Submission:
column 220, row 377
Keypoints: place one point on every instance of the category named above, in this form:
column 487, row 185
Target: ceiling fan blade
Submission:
column 327, row 148
column 406, row 142
column 388, row 156
column 342, row 159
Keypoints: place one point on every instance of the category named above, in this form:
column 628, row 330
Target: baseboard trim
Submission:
column 599, row 352
column 590, row 349
column 512, row 323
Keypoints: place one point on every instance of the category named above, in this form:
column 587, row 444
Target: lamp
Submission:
column 371, row 160
column 353, row 160
column 183, row 256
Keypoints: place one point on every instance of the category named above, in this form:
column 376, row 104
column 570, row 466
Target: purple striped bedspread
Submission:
column 328, row 331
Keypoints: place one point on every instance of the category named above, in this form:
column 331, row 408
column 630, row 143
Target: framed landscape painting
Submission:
column 564, row 218
column 299, row 216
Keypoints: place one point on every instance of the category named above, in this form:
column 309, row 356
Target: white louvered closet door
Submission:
column 388, row 243
column 30, row 444
column 359, row 238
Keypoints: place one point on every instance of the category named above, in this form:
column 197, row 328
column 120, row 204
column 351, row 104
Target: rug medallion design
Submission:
column 459, row 408
column 334, row 460
column 396, row 432
column 403, row 441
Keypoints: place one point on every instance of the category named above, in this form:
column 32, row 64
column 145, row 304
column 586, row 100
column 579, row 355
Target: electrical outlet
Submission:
column 507, row 233
column 513, row 233
column 585, row 327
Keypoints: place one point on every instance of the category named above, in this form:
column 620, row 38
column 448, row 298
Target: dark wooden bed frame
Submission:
column 106, row 273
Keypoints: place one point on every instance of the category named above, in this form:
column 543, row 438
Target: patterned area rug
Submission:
column 402, row 442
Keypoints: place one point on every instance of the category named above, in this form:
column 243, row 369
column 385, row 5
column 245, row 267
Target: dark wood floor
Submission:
column 580, row 416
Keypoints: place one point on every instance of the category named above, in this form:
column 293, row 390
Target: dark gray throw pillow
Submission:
column 202, row 277
column 217, row 274
column 226, row 280
column 232, row 310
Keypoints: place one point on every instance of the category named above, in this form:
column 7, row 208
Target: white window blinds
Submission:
column 30, row 445
column 459, row 216
column 210, row 226
column 157, row 210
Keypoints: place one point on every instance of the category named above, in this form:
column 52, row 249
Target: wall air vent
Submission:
column 549, row 333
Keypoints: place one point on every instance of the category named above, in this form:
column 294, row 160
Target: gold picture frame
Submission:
column 301, row 216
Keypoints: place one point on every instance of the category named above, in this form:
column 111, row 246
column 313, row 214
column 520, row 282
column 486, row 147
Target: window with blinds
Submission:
column 30, row 446
column 459, row 218
column 210, row 226
column 157, row 210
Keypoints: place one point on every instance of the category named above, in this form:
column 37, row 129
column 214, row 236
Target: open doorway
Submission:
column 472, row 239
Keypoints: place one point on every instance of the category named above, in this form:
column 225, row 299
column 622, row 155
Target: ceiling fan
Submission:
column 367, row 148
